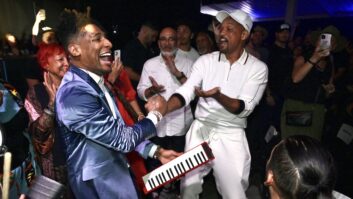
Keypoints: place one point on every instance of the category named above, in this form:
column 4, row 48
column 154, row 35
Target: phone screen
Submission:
column 325, row 41
column 117, row 53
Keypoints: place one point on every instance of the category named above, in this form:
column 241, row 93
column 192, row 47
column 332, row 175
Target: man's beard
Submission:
column 169, row 53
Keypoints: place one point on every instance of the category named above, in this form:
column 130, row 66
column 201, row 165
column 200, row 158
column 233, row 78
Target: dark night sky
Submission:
column 127, row 15
column 18, row 16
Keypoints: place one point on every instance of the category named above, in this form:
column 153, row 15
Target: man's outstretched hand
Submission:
column 166, row 156
column 157, row 103
column 214, row 92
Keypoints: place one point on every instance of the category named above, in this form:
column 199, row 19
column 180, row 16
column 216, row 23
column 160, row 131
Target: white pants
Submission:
column 231, row 165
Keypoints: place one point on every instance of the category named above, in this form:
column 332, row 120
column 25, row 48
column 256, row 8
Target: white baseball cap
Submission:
column 239, row 16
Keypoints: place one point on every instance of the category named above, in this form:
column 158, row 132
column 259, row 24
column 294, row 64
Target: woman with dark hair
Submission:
column 300, row 168
column 40, row 106
column 314, row 77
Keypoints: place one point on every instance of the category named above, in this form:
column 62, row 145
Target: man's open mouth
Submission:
column 107, row 56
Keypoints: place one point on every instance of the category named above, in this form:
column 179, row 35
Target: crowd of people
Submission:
column 272, row 114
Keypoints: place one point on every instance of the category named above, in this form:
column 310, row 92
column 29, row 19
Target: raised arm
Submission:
column 302, row 68
column 35, row 29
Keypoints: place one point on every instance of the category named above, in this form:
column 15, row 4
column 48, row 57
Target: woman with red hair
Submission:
column 40, row 106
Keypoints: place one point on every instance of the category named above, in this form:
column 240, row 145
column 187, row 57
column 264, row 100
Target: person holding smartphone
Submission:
column 312, row 82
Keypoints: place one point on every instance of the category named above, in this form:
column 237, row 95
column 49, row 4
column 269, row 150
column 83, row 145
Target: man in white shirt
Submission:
column 163, row 75
column 230, row 84
column 184, row 36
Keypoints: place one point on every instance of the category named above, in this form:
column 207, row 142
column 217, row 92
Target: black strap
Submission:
column 123, row 100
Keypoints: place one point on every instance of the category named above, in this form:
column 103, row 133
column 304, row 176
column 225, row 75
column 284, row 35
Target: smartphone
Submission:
column 117, row 54
column 325, row 41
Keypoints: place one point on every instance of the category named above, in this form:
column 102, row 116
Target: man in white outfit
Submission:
column 230, row 83
column 185, row 35
column 162, row 75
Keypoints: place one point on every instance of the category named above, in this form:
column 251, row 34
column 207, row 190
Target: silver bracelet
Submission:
column 157, row 153
column 158, row 115
column 49, row 112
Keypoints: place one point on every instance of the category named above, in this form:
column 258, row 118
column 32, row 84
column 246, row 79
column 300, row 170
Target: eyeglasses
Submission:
column 165, row 39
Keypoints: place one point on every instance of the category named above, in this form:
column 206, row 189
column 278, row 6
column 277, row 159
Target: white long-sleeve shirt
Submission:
column 245, row 79
column 177, row 122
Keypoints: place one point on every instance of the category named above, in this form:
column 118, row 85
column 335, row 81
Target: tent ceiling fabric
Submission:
column 265, row 10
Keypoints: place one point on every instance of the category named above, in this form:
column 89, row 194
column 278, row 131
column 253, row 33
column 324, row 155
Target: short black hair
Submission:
column 151, row 25
column 187, row 23
column 70, row 24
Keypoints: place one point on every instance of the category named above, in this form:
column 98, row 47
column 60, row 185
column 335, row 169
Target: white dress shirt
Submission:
column 177, row 122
